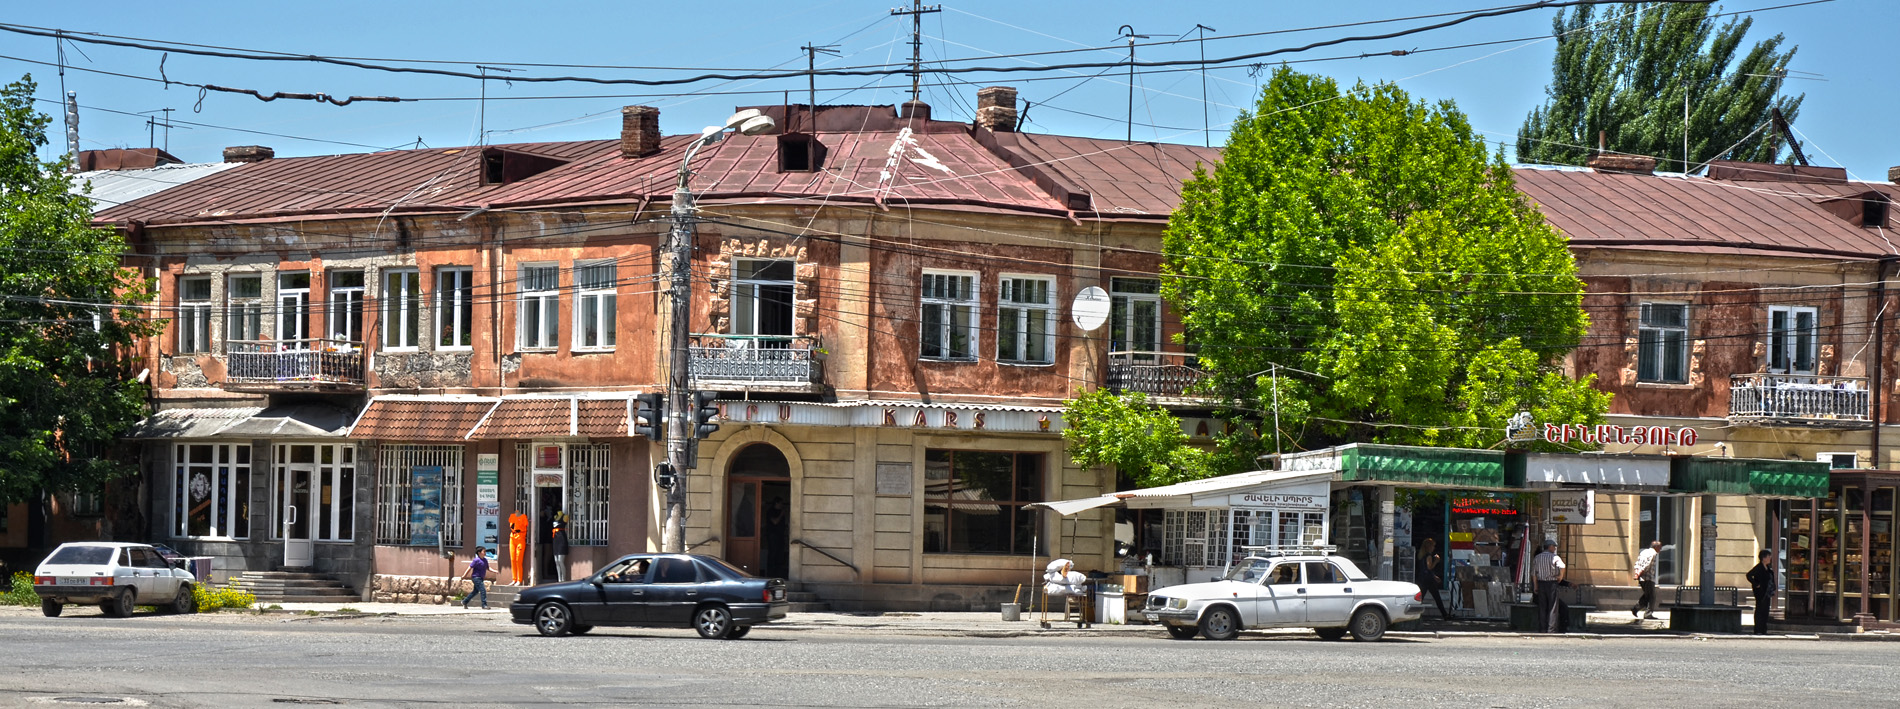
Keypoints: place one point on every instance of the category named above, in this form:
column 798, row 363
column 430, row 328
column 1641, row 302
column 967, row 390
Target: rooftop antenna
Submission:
column 917, row 10
column 481, row 124
column 1207, row 138
column 1128, row 31
column 811, row 81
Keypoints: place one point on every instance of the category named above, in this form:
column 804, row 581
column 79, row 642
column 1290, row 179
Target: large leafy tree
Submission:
column 1360, row 259
column 68, row 318
column 1623, row 70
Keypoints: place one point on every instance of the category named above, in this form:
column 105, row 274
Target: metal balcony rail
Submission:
column 762, row 359
column 1153, row 373
column 1799, row 398
column 313, row 361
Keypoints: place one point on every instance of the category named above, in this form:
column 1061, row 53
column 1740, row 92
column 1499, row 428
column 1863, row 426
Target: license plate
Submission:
column 75, row 580
column 1151, row 617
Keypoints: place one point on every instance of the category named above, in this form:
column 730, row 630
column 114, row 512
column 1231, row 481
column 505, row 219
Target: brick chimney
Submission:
column 1893, row 175
column 639, row 131
column 914, row 110
column 1623, row 163
column 996, row 108
column 248, row 153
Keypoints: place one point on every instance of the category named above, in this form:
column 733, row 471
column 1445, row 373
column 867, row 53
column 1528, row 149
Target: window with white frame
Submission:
column 538, row 323
column 595, row 300
column 1135, row 317
column 346, row 306
column 211, row 485
column 1194, row 537
column 194, row 314
column 1662, row 351
column 762, row 298
column 1025, row 325
column 293, row 309
column 949, row 315
column 587, row 486
column 331, row 483
column 402, row 308
column 86, row 503
column 1792, row 336
column 454, row 308
column 395, row 471
column 244, row 307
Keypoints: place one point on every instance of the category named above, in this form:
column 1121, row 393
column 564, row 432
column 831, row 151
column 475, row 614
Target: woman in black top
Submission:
column 1428, row 569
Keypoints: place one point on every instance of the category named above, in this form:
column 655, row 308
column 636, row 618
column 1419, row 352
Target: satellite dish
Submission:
column 1090, row 308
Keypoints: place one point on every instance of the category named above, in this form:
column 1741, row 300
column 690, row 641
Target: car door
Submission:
column 1329, row 596
column 623, row 591
column 673, row 590
column 1282, row 601
column 131, row 573
column 163, row 584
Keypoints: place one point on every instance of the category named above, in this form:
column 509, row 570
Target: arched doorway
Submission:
column 759, row 511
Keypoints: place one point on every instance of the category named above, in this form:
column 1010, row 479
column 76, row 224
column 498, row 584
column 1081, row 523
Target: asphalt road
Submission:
column 230, row 660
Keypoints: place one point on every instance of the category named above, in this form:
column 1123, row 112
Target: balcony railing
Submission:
column 1167, row 374
column 1798, row 399
column 756, row 359
column 249, row 363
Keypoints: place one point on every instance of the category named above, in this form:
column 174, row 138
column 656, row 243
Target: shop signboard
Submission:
column 488, row 500
column 1572, row 507
column 425, row 505
column 550, row 469
column 1521, row 429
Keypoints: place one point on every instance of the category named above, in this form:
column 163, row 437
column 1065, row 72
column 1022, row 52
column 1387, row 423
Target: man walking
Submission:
column 1644, row 572
column 1762, row 579
column 1549, row 571
column 478, row 572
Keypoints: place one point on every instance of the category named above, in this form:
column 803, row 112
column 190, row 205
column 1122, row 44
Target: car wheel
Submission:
column 1181, row 632
column 713, row 622
column 738, row 631
column 1330, row 633
column 553, row 619
column 51, row 608
column 1220, row 624
column 579, row 629
column 1368, row 624
column 185, row 602
column 120, row 604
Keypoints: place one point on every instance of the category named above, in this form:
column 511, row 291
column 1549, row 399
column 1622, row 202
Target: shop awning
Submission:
column 1747, row 476
column 1224, row 491
column 1412, row 466
column 1633, row 473
column 189, row 423
column 306, row 420
column 445, row 418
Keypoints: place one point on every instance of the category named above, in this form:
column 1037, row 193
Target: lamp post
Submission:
column 679, row 427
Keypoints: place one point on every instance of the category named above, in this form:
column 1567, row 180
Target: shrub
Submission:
column 211, row 598
column 20, row 593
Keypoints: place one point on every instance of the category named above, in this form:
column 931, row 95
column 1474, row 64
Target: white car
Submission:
column 1326, row 593
column 116, row 576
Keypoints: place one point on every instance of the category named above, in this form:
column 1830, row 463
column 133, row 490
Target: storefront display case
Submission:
column 1838, row 551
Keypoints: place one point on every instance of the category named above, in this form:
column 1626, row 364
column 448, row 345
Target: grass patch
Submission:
column 211, row 598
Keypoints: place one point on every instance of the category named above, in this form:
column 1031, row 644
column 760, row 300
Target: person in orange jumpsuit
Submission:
column 518, row 547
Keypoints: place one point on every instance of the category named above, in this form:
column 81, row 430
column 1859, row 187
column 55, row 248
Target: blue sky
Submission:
column 1847, row 118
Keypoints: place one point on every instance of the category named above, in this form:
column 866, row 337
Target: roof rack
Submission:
column 1291, row 550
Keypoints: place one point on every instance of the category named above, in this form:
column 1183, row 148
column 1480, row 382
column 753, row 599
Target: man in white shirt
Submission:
column 1548, row 569
column 1644, row 573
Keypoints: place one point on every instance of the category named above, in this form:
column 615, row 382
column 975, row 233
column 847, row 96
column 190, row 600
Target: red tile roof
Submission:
column 420, row 419
column 527, row 418
column 602, row 418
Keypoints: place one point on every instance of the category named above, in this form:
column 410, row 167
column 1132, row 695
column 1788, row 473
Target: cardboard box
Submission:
column 1134, row 583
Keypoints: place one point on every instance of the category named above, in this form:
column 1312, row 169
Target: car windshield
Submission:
column 1249, row 571
column 82, row 556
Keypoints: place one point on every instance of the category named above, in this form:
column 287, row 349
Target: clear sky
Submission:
column 1848, row 118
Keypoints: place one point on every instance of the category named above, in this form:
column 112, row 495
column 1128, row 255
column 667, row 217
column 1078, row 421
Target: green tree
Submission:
column 1623, row 70
column 66, row 394
column 1371, row 240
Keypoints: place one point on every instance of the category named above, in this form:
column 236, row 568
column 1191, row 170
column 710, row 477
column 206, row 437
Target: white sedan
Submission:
column 1326, row 593
column 114, row 575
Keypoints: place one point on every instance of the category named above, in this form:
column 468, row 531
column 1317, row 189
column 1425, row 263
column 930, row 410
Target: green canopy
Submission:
column 1414, row 465
column 1748, row 476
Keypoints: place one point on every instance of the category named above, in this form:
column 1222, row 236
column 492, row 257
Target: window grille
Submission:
column 587, row 485
column 393, row 467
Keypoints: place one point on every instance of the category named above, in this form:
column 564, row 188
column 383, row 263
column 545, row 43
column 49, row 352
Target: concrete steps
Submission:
column 805, row 602
column 294, row 587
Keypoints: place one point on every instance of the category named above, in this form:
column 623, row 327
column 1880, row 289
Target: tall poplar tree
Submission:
column 1624, row 71
column 68, row 319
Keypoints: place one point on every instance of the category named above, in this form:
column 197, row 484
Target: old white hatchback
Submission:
column 115, row 575
column 1326, row 593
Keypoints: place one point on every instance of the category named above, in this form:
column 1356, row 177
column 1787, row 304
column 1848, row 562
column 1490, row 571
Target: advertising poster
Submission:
column 425, row 505
column 488, row 500
column 1573, row 507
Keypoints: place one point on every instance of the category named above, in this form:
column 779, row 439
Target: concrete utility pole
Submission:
column 1128, row 31
column 917, row 10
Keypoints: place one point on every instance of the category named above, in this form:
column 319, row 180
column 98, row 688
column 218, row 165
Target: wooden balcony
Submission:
column 1799, row 400
column 1164, row 375
column 779, row 363
column 293, row 365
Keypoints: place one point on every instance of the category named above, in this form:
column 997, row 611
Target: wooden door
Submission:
column 743, row 514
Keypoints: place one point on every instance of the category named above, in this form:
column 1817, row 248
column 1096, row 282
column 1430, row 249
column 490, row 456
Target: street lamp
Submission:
column 679, row 430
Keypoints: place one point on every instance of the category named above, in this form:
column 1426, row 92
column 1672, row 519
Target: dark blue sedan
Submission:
column 655, row 591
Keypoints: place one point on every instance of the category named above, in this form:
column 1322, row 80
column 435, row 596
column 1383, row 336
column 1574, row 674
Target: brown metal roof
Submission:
column 527, row 418
column 1609, row 210
column 602, row 418
column 420, row 419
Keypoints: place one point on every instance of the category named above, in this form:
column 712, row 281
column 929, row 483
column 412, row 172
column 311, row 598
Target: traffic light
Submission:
column 664, row 477
column 646, row 418
column 703, row 413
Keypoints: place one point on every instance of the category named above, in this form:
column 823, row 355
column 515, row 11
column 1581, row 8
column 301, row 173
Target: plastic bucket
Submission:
column 1012, row 611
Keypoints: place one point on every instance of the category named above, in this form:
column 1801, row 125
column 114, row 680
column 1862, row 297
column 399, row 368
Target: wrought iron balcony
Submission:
column 1798, row 400
column 755, row 361
column 293, row 364
column 1159, row 374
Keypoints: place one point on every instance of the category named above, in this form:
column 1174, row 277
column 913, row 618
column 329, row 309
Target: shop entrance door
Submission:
column 295, row 513
column 758, row 512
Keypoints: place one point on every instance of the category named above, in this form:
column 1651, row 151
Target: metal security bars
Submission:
column 394, row 465
column 587, row 494
column 753, row 358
